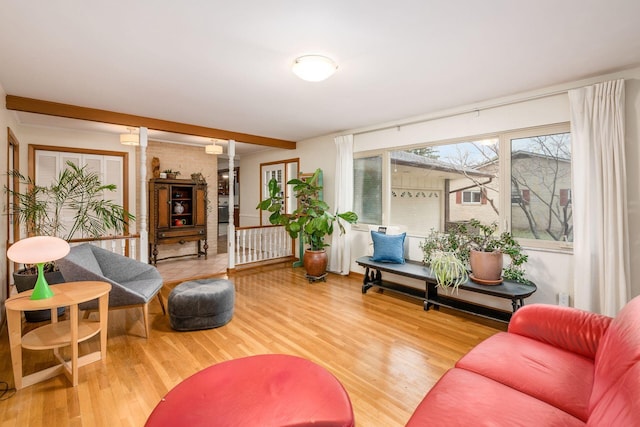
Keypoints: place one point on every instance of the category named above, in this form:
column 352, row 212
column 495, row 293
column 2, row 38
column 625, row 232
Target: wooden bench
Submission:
column 516, row 292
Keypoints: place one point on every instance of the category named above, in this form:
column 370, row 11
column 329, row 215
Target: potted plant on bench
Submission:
column 310, row 220
column 447, row 256
column 479, row 245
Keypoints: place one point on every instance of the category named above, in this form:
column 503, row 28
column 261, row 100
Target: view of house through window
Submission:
column 436, row 186
column 541, row 187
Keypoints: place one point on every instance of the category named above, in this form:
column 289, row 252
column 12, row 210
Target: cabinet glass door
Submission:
column 181, row 206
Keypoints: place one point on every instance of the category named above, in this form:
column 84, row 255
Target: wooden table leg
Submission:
column 73, row 319
column 103, row 305
column 14, row 324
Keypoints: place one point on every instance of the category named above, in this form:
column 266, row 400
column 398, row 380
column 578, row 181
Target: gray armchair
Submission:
column 133, row 283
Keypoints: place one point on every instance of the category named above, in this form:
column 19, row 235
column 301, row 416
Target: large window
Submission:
column 435, row 186
column 367, row 195
column 446, row 184
column 541, row 175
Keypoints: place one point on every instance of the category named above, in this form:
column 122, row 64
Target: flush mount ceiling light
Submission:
column 129, row 138
column 314, row 68
column 213, row 148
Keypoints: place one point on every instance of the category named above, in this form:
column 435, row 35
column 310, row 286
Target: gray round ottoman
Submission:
column 201, row 304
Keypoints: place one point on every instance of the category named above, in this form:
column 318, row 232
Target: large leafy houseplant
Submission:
column 76, row 193
column 311, row 219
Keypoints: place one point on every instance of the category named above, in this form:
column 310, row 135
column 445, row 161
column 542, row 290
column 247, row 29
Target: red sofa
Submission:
column 556, row 366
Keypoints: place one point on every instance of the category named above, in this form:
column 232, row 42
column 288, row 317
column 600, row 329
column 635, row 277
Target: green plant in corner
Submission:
column 311, row 218
column 76, row 193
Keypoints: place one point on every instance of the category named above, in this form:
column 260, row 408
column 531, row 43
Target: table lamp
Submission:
column 39, row 250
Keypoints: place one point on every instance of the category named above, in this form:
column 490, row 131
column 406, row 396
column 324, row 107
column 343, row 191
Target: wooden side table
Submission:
column 57, row 334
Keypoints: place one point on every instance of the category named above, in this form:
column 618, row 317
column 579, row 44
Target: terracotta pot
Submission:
column 486, row 267
column 315, row 262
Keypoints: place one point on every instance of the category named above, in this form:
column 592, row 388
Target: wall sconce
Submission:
column 129, row 138
column 314, row 68
column 213, row 148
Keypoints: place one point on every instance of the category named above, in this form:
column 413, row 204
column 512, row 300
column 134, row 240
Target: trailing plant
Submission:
column 311, row 218
column 449, row 270
column 463, row 237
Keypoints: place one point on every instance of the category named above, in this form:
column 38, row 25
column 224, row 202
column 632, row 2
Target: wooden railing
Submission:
column 261, row 243
column 127, row 245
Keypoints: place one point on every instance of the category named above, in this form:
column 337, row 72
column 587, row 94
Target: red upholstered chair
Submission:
column 263, row 390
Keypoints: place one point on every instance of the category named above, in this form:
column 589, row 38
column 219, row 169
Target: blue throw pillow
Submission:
column 388, row 248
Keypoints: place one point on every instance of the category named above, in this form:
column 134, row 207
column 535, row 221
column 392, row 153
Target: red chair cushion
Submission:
column 558, row 377
column 463, row 398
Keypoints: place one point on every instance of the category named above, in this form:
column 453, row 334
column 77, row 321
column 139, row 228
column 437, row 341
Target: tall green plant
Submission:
column 311, row 218
column 78, row 193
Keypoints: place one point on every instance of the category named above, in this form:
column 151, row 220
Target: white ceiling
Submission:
column 226, row 65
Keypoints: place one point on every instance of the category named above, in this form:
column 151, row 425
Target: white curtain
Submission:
column 601, row 246
column 340, row 257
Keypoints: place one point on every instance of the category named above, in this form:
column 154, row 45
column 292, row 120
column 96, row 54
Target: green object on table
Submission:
column 42, row 289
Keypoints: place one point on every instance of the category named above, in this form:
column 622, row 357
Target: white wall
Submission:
column 551, row 271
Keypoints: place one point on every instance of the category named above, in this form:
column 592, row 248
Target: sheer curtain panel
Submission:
column 601, row 257
column 340, row 257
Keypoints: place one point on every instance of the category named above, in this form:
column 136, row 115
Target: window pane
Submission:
column 541, row 180
column 367, row 194
column 445, row 184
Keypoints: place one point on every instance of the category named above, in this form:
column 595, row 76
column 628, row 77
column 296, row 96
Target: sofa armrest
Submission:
column 568, row 328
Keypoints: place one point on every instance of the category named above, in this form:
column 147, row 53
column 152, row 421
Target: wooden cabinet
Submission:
column 177, row 214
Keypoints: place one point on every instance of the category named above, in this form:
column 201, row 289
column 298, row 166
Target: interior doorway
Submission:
column 225, row 180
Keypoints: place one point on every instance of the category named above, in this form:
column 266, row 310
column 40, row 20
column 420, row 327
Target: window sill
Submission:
column 567, row 250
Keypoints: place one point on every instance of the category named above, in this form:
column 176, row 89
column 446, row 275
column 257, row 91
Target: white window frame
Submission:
column 59, row 162
column 504, row 150
column 505, row 181
column 287, row 170
column 471, row 195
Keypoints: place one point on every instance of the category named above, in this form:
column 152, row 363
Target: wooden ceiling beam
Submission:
column 30, row 105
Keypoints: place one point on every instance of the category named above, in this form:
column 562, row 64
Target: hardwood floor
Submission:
column 384, row 349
